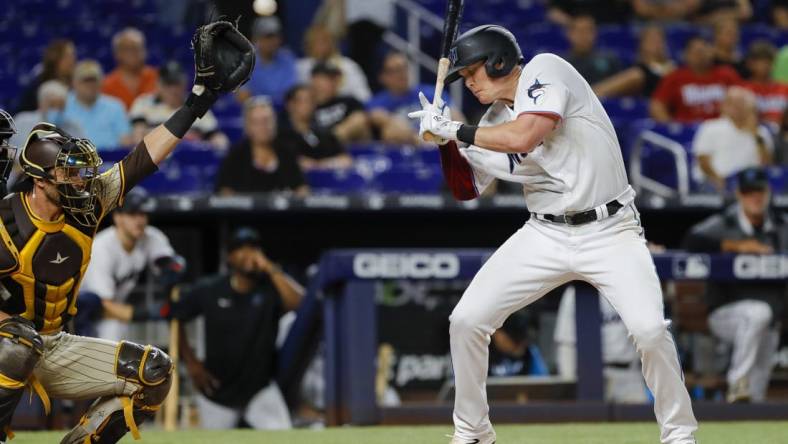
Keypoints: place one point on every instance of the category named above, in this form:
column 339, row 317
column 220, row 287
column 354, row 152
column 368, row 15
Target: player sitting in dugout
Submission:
column 48, row 226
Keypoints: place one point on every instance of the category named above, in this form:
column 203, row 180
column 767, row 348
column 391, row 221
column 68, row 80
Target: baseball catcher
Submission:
column 47, row 229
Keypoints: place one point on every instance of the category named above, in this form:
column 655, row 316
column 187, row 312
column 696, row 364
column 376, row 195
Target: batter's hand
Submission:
column 436, row 120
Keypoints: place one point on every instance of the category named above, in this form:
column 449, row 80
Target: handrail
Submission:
column 411, row 43
column 639, row 181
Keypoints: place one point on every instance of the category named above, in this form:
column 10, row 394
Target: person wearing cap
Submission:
column 343, row 115
column 745, row 314
column 132, row 77
column 241, row 311
column 734, row 141
column 153, row 109
column 772, row 96
column 275, row 68
column 120, row 255
column 102, row 118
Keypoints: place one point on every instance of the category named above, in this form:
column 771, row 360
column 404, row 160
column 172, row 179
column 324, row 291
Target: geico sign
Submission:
column 406, row 265
column 760, row 267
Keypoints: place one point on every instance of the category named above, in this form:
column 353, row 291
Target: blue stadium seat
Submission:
column 657, row 163
column 335, row 181
column 424, row 180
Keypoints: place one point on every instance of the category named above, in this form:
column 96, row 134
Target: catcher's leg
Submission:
column 110, row 417
column 20, row 349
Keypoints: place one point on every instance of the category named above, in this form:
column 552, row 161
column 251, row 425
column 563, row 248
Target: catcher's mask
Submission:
column 71, row 164
column 7, row 151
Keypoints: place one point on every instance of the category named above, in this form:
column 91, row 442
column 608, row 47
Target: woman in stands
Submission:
column 58, row 63
column 642, row 78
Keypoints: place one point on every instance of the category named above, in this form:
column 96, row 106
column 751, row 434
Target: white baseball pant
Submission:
column 746, row 325
column 267, row 410
column 610, row 254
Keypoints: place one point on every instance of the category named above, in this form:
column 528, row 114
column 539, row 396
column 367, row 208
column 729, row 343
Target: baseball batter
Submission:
column 547, row 130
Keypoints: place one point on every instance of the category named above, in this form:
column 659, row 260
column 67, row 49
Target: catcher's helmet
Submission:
column 490, row 43
column 70, row 163
column 7, row 151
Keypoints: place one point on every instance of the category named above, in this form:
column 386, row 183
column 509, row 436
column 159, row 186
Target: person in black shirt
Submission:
column 260, row 163
column 315, row 148
column 745, row 314
column 241, row 312
column 344, row 116
column 60, row 58
column 603, row 11
column 594, row 65
column 642, row 78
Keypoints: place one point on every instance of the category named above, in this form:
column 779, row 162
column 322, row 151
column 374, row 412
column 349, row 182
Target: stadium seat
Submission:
column 335, row 181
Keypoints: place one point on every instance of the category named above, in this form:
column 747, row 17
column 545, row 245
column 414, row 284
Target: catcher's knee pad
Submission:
column 148, row 367
column 20, row 349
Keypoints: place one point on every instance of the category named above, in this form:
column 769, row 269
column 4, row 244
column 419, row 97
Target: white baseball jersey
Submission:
column 578, row 166
column 113, row 271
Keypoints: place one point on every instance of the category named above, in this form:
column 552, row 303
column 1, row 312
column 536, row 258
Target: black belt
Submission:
column 582, row 217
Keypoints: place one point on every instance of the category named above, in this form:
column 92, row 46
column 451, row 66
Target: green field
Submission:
column 607, row 433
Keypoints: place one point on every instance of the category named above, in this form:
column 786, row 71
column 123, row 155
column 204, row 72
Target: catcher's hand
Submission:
column 223, row 61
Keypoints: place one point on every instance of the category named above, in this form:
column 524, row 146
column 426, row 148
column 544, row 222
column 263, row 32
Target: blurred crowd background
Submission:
column 697, row 91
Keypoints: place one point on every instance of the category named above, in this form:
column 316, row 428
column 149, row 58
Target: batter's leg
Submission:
column 528, row 265
column 621, row 267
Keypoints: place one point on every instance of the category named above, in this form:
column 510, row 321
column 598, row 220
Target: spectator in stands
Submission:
column 52, row 96
column 121, row 253
column 772, row 96
column 151, row 110
column 388, row 110
column 781, row 145
column 60, row 56
column 315, row 148
column 259, row 163
column 641, row 79
column 102, row 118
column 694, row 91
column 713, row 10
column 275, row 68
column 780, row 14
column 732, row 142
column 744, row 313
column 726, row 43
column 593, row 64
column 665, row 10
column 562, row 12
column 321, row 46
column 241, row 313
column 343, row 115
column 132, row 77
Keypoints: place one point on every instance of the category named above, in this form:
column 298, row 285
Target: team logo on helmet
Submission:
column 537, row 91
column 453, row 55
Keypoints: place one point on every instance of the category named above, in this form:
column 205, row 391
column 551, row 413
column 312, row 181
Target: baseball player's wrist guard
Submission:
column 467, row 133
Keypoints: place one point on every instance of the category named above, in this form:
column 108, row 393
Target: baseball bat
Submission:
column 171, row 403
column 451, row 26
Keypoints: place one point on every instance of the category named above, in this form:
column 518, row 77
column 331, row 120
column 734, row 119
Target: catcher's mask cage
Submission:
column 7, row 151
column 70, row 163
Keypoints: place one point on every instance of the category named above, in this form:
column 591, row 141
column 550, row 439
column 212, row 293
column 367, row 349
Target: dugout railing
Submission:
column 344, row 283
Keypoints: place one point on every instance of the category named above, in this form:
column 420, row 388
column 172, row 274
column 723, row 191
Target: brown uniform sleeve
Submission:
column 123, row 176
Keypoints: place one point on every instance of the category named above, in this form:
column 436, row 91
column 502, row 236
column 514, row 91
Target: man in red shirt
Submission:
column 694, row 91
column 772, row 96
column 131, row 78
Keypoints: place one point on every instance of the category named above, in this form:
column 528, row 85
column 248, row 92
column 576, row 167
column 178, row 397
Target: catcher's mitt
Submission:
column 223, row 57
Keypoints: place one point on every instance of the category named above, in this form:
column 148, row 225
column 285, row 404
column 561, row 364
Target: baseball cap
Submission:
column 326, row 68
column 242, row 237
column 87, row 69
column 266, row 26
column 752, row 179
column 171, row 73
column 135, row 201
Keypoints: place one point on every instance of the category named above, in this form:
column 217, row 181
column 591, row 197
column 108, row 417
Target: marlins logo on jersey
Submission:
column 537, row 91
